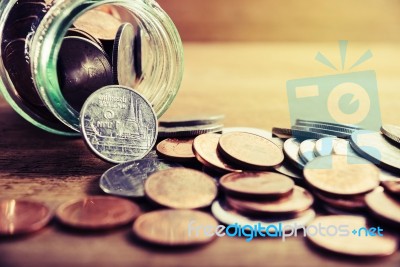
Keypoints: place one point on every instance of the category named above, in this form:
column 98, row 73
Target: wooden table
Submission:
column 244, row 81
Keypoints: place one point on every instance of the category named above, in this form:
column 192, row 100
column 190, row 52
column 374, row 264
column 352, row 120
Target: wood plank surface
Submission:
column 244, row 81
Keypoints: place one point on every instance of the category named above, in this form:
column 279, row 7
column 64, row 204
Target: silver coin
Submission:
column 303, row 133
column 351, row 127
column 392, row 132
column 188, row 131
column 118, row 124
column 375, row 148
column 123, row 59
column 343, row 147
column 223, row 213
column 127, row 179
column 302, row 130
column 306, row 151
column 324, row 146
column 191, row 120
column 325, row 126
column 256, row 131
column 291, row 148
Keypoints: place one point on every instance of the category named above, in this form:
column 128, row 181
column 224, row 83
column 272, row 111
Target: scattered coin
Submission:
column 341, row 175
column 183, row 121
column 83, row 68
column 118, row 124
column 127, row 179
column 392, row 187
column 99, row 24
column 291, row 148
column 295, row 203
column 227, row 215
column 345, row 242
column 123, row 59
column 205, row 148
column 250, row 151
column 351, row 203
column 22, row 216
column 309, row 132
column 343, row 147
column 392, row 132
column 181, row 188
column 306, row 150
column 327, row 124
column 384, row 206
column 324, row 146
column 97, row 212
column 375, row 148
column 188, row 131
column 176, row 149
column 283, row 133
column 257, row 184
column 172, row 227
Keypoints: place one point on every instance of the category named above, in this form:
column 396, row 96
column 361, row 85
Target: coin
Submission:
column 20, row 28
column 250, row 151
column 123, row 59
column 181, row 188
column 351, row 203
column 176, row 149
column 287, row 168
column 74, row 32
column 328, row 124
column 22, row 216
column 343, row 147
column 338, row 237
column 83, row 68
column 257, row 184
column 282, row 132
column 188, row 131
column 392, row 132
column 330, row 127
column 205, row 149
column 118, row 124
column 324, row 146
column 138, row 54
column 98, row 24
column 127, row 179
column 392, row 187
column 172, row 227
column 341, row 175
column 295, row 203
column 384, row 206
column 191, row 120
column 97, row 212
column 291, row 148
column 375, row 148
column 228, row 216
column 303, row 131
column 306, row 150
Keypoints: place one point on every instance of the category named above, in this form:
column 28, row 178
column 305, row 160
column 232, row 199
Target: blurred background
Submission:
column 285, row 20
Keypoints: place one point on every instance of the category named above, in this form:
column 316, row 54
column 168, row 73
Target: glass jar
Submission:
column 162, row 60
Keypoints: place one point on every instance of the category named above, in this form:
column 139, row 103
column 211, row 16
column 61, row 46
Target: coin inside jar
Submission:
column 176, row 149
column 384, row 206
column 173, row 227
column 299, row 201
column 22, row 216
column 257, row 184
column 181, row 188
column 97, row 212
column 342, row 175
column 343, row 234
column 250, row 151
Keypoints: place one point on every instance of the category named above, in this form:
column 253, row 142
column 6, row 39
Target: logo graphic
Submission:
column 345, row 98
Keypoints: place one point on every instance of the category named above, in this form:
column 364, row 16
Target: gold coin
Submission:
column 181, row 188
column 176, row 149
column 250, row 151
column 338, row 236
column 172, row 227
column 384, row 206
column 342, row 175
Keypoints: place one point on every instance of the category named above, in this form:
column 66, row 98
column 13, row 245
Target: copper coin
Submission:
column 342, row 175
column 97, row 212
column 181, row 188
column 392, row 187
column 98, row 24
column 22, row 216
column 283, row 133
column 384, row 206
column 173, row 227
column 257, row 184
column 348, row 203
column 205, row 147
column 392, row 132
column 299, row 201
column 250, row 151
column 339, row 237
column 176, row 149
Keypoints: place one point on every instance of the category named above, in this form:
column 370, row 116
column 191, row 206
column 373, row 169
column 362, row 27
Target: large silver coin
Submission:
column 392, row 132
column 127, row 179
column 306, row 151
column 118, row 124
column 291, row 148
column 123, row 59
column 375, row 148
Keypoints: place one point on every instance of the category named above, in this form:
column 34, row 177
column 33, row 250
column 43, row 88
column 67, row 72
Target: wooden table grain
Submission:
column 244, row 81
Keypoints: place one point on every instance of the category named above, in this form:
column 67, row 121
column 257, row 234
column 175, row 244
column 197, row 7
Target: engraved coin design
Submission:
column 129, row 135
column 127, row 179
